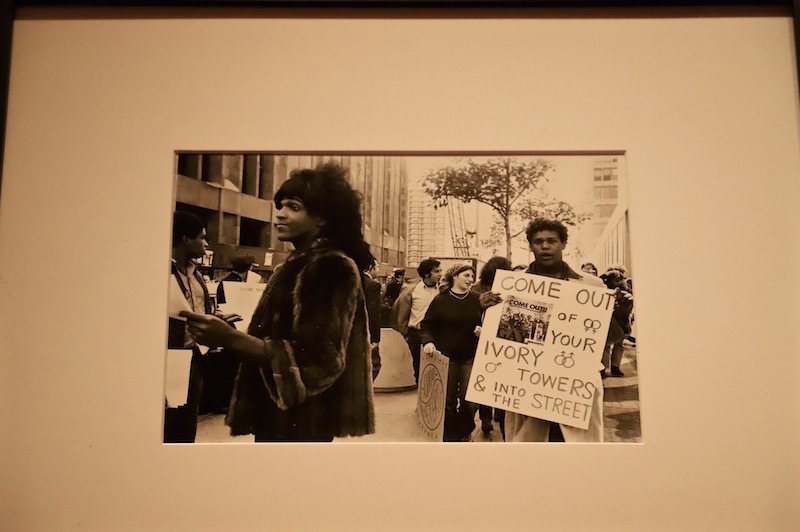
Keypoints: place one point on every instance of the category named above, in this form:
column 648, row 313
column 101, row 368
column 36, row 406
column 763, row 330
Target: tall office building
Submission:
column 605, row 192
column 426, row 228
column 610, row 206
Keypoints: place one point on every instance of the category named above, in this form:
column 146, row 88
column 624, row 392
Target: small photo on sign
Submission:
column 523, row 321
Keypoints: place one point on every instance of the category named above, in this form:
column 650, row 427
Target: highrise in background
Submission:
column 426, row 227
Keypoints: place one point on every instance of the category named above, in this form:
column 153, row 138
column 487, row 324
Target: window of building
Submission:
column 605, row 192
column 604, row 211
column 254, row 233
column 190, row 165
column 270, row 167
column 250, row 174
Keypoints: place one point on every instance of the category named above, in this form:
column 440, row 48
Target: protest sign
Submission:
column 179, row 364
column 242, row 299
column 433, row 368
column 540, row 349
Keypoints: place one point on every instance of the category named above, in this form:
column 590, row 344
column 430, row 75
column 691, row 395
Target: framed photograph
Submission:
column 119, row 117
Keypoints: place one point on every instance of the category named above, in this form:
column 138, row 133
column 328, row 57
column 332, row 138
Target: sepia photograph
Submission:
column 304, row 288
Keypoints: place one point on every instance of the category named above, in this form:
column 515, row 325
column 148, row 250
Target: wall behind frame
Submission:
column 706, row 110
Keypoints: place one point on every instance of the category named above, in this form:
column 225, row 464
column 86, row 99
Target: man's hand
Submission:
column 230, row 319
column 429, row 348
column 489, row 299
column 208, row 329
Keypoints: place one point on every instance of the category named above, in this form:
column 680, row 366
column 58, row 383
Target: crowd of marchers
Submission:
column 303, row 369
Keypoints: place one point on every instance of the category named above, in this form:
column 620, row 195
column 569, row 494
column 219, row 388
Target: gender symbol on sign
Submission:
column 565, row 360
column 491, row 367
column 591, row 325
column 431, row 394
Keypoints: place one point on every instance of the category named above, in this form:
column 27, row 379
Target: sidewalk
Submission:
column 396, row 420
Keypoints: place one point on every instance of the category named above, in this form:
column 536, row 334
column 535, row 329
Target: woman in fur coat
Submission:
column 305, row 371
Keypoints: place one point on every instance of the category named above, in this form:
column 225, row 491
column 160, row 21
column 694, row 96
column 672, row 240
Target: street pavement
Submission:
column 396, row 421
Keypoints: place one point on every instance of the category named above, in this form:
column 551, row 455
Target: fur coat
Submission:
column 315, row 381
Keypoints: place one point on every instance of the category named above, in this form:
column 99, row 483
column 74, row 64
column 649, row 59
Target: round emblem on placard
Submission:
column 431, row 397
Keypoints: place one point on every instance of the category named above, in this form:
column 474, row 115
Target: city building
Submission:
column 233, row 194
column 427, row 236
column 610, row 221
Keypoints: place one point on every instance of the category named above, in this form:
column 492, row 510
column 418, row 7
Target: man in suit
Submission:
column 239, row 268
column 372, row 293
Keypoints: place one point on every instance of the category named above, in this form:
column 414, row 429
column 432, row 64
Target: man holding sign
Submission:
column 539, row 352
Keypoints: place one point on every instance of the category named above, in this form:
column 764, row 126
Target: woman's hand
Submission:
column 478, row 330
column 208, row 329
column 429, row 348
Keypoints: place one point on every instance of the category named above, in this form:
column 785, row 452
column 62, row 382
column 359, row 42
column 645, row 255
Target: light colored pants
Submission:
column 522, row 428
column 614, row 353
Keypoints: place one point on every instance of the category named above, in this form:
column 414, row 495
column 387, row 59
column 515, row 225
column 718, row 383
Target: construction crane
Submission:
column 458, row 232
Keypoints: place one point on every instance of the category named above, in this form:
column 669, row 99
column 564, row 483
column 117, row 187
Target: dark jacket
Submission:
column 232, row 277
column 316, row 381
column 372, row 293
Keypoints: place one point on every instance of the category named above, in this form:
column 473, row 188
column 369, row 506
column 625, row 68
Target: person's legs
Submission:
column 466, row 410
column 500, row 417
column 413, row 341
column 485, row 413
column 451, row 429
column 376, row 361
column 616, row 358
column 522, row 428
column 180, row 424
column 606, row 358
column 594, row 433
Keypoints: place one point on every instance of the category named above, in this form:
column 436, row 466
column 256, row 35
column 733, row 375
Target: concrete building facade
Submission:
column 233, row 194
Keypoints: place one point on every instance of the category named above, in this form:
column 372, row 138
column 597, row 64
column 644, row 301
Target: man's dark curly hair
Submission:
column 490, row 269
column 427, row 266
column 326, row 193
column 185, row 224
column 543, row 224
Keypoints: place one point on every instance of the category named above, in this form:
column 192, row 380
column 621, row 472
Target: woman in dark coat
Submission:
column 305, row 372
column 449, row 327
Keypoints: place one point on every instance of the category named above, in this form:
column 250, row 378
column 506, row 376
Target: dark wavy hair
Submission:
column 185, row 224
column 490, row 269
column 325, row 192
column 427, row 266
column 543, row 224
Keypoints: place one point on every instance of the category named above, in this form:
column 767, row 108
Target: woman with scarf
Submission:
column 305, row 371
column 449, row 328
